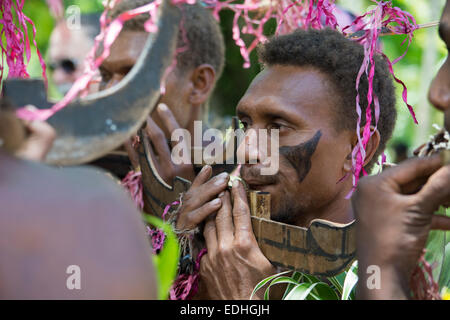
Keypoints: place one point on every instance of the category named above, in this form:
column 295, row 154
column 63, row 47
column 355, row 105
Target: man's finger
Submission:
column 436, row 191
column 413, row 169
column 440, row 223
column 197, row 216
column 241, row 212
column 224, row 220
column 168, row 119
column 132, row 153
column 210, row 234
column 159, row 141
column 203, row 176
column 39, row 142
column 207, row 191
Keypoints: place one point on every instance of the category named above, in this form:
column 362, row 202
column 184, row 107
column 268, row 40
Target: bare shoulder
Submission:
column 53, row 218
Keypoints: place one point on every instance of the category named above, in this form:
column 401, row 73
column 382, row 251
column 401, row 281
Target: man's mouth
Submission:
column 258, row 184
column 255, row 181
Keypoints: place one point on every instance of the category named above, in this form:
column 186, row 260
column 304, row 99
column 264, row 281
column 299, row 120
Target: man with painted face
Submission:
column 188, row 86
column 307, row 92
column 392, row 234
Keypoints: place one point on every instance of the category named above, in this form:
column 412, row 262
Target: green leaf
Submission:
column 351, row 279
column 263, row 282
column 311, row 279
column 444, row 279
column 279, row 280
column 300, row 291
column 437, row 253
column 297, row 277
column 337, row 285
column 323, row 291
column 166, row 262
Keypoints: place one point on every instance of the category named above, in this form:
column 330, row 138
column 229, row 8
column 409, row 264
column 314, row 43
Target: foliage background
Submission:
column 425, row 56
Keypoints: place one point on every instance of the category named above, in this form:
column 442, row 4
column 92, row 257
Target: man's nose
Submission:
column 439, row 94
column 247, row 151
column 252, row 149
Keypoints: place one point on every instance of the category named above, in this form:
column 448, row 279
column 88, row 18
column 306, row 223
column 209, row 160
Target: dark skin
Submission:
column 300, row 156
column 187, row 91
column 298, row 102
column 82, row 218
column 392, row 233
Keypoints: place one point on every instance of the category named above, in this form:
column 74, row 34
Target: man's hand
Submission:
column 39, row 142
column 160, row 151
column 394, row 214
column 201, row 200
column 234, row 263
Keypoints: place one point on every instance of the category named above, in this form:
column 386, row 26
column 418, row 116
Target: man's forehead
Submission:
column 289, row 88
column 126, row 49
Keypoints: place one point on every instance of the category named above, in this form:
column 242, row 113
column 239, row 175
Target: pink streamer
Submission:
column 371, row 23
column 17, row 42
column 423, row 286
column 133, row 183
column 56, row 8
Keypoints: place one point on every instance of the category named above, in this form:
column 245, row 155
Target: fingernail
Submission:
column 205, row 168
column 221, row 194
column 223, row 175
column 219, row 182
column 235, row 183
column 162, row 107
column 215, row 201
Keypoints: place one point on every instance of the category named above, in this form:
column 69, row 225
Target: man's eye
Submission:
column 275, row 126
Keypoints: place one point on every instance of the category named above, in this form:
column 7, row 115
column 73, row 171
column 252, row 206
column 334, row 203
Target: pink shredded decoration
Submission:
column 157, row 235
column 133, row 183
column 186, row 285
column 16, row 40
column 372, row 22
column 56, row 8
column 423, row 286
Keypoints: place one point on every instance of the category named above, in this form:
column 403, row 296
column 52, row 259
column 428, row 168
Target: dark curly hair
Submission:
column 340, row 60
column 205, row 39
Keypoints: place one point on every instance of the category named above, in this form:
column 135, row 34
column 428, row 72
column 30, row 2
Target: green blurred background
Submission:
column 417, row 69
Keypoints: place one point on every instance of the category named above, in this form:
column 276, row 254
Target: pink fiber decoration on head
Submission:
column 56, row 8
column 16, row 40
column 372, row 23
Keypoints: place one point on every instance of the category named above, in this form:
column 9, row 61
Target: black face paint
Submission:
column 300, row 156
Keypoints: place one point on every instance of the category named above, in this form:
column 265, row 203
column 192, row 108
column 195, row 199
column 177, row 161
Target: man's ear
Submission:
column 203, row 78
column 371, row 148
